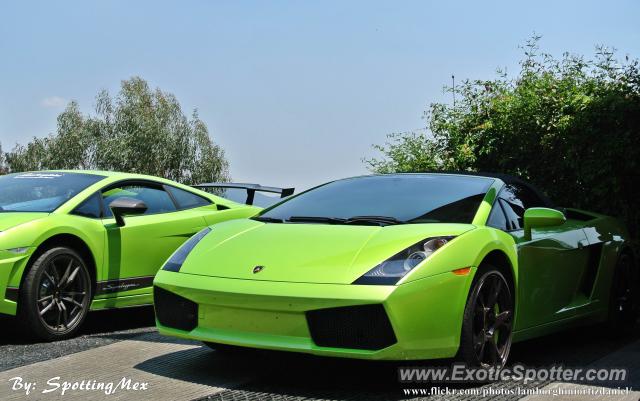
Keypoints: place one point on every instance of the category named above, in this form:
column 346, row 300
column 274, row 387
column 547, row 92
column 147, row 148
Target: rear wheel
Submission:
column 487, row 328
column 622, row 301
column 55, row 295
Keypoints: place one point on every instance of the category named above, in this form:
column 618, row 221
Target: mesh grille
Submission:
column 358, row 327
column 175, row 311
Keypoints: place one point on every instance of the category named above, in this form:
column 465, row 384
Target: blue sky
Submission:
column 295, row 91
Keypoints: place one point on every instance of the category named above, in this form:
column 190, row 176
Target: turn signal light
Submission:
column 461, row 272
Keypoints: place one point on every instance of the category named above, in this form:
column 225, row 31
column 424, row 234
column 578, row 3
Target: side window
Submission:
column 185, row 199
column 529, row 197
column 521, row 195
column 514, row 215
column 515, row 200
column 497, row 218
column 89, row 208
column 156, row 198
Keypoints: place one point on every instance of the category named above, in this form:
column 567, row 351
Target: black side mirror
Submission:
column 126, row 206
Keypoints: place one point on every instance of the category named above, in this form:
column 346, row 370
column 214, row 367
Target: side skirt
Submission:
column 584, row 319
column 124, row 284
column 122, row 302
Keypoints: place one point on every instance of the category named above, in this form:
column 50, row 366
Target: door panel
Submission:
column 137, row 250
column 551, row 266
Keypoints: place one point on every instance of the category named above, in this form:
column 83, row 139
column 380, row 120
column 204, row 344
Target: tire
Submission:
column 487, row 327
column 55, row 295
column 623, row 297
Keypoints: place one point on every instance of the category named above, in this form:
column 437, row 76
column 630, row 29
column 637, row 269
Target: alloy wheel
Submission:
column 63, row 293
column 492, row 320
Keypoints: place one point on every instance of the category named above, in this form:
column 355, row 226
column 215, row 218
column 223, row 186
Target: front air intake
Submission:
column 357, row 327
column 174, row 311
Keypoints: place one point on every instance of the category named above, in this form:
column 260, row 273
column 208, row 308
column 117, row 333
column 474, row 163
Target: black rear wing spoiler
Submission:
column 250, row 188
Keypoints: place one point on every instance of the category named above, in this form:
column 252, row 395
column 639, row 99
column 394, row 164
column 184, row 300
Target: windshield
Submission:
column 41, row 192
column 423, row 198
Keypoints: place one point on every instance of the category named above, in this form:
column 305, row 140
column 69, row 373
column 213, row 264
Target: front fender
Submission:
column 467, row 250
column 34, row 234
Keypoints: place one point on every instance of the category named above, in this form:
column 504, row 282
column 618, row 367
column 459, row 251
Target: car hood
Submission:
column 311, row 253
column 11, row 219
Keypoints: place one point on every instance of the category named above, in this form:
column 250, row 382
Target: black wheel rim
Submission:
column 63, row 293
column 492, row 321
column 623, row 288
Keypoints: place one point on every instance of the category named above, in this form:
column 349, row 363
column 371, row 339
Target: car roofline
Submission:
column 506, row 179
column 440, row 173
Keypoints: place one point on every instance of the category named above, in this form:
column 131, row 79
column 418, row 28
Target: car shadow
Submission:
column 263, row 370
column 97, row 323
column 305, row 376
column 575, row 347
column 268, row 373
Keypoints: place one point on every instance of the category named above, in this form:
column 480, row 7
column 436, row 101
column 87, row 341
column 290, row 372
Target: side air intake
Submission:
column 174, row 311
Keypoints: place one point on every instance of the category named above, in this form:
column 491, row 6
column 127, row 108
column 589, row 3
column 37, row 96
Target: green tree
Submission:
column 140, row 130
column 3, row 162
column 570, row 125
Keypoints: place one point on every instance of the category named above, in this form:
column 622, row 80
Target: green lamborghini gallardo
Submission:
column 403, row 266
column 71, row 241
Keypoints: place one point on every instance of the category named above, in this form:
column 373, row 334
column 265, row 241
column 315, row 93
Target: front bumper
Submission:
column 426, row 314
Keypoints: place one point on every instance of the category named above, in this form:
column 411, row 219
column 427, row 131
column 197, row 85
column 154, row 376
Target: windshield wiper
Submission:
column 316, row 219
column 265, row 219
column 379, row 220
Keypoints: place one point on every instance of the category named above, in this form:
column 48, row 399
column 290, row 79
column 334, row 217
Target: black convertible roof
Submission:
column 506, row 178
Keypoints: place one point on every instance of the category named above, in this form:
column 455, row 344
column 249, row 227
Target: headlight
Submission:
column 393, row 269
column 177, row 259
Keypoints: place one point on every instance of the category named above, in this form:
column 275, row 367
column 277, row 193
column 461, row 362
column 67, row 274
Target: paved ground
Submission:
column 101, row 328
column 182, row 370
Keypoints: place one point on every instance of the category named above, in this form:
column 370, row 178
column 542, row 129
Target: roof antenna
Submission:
column 453, row 80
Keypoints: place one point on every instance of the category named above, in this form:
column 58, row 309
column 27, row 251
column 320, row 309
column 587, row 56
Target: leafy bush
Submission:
column 140, row 131
column 569, row 125
column 3, row 162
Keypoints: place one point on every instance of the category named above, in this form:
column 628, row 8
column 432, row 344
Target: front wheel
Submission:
column 487, row 328
column 55, row 295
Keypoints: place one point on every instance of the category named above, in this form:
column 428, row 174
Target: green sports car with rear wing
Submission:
column 400, row 266
column 71, row 241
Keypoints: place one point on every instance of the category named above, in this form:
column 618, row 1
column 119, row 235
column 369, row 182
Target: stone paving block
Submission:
column 171, row 372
